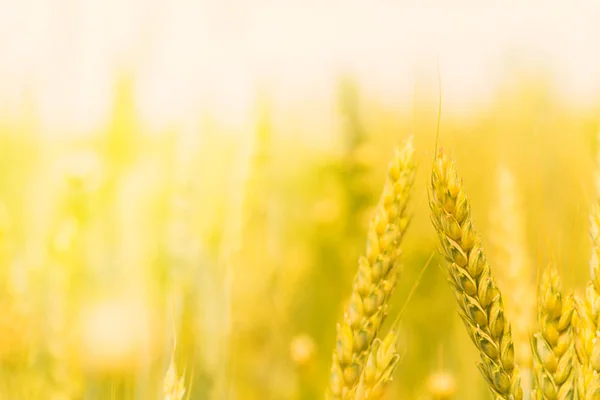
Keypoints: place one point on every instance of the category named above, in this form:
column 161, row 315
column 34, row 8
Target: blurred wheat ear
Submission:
column 553, row 345
column 362, row 364
column 516, row 277
column 478, row 296
column 441, row 385
column 173, row 384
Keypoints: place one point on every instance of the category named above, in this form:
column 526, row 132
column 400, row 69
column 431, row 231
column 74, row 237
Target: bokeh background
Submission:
column 201, row 175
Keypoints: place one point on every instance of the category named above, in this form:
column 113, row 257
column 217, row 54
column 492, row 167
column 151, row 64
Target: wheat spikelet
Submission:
column 515, row 278
column 553, row 345
column 377, row 372
column 376, row 278
column 587, row 345
column 478, row 296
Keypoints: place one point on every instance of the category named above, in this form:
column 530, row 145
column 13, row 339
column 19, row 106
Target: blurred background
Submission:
column 194, row 179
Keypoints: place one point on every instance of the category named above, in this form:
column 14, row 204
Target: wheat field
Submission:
column 286, row 213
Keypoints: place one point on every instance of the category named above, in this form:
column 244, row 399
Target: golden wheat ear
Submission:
column 553, row 345
column 379, row 368
column 374, row 282
column 586, row 320
column 478, row 296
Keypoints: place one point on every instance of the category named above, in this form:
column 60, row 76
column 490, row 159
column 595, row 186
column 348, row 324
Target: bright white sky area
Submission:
column 192, row 55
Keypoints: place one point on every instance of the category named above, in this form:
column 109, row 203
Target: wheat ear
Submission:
column 478, row 296
column 516, row 278
column 587, row 321
column 376, row 277
column 553, row 345
column 587, row 344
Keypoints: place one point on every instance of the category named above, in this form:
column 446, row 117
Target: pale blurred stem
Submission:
column 349, row 107
column 597, row 193
column 182, row 296
column 66, row 263
column 227, row 323
column 231, row 246
column 526, row 382
column 222, row 386
column 354, row 136
column 515, row 277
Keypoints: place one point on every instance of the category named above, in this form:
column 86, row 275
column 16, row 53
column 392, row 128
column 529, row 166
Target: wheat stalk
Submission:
column 553, row 345
column 376, row 277
column 478, row 296
column 516, row 277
